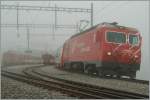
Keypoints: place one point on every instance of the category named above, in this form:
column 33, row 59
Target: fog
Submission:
column 128, row 13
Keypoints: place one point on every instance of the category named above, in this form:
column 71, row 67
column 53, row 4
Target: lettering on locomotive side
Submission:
column 85, row 49
column 80, row 47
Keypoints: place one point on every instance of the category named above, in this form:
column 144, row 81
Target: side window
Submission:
column 133, row 39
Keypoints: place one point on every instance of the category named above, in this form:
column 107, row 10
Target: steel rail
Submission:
column 31, row 72
column 48, row 85
column 109, row 92
column 81, row 90
column 115, row 78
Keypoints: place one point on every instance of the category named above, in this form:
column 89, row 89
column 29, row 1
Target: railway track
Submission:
column 115, row 78
column 90, row 89
column 81, row 90
column 48, row 85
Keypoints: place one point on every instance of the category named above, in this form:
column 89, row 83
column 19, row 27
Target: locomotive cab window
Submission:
column 133, row 39
column 116, row 37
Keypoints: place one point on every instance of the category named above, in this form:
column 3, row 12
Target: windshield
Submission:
column 116, row 37
column 133, row 39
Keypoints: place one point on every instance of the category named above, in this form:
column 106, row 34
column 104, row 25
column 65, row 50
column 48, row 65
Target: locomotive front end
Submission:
column 122, row 52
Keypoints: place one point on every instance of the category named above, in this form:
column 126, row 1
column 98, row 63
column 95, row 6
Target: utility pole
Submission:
column 54, row 9
column 55, row 16
column 77, row 27
column 0, row 32
column 91, row 14
column 55, row 25
column 28, row 40
column 0, row 38
column 18, row 35
column 53, row 31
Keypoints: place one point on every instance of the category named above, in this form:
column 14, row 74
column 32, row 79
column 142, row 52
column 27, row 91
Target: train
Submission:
column 12, row 57
column 106, row 49
column 48, row 59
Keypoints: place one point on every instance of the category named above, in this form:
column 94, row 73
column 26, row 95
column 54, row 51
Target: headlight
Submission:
column 108, row 53
column 136, row 56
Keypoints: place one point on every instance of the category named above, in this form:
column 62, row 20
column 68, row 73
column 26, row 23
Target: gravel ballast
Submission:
column 12, row 89
column 109, row 83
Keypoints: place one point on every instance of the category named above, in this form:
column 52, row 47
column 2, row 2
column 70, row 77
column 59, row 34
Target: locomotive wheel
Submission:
column 73, row 66
column 81, row 67
column 111, row 76
column 118, row 76
column 66, row 66
column 100, row 73
column 89, row 70
column 132, row 76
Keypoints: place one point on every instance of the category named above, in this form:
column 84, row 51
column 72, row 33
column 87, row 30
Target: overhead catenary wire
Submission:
column 99, row 12
column 60, row 35
column 35, row 16
column 41, row 8
column 104, row 8
column 20, row 25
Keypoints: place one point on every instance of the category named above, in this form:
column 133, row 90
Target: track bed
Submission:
column 90, row 87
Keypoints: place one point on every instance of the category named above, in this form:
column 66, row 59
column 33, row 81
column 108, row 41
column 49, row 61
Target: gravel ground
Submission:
column 12, row 89
column 110, row 83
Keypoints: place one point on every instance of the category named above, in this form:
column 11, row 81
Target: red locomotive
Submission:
column 105, row 49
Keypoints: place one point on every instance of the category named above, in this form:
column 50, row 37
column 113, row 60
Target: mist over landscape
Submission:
column 127, row 13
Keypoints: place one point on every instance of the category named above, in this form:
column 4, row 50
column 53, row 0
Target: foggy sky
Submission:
column 128, row 13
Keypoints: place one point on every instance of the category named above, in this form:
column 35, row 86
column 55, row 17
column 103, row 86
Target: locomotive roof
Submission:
column 111, row 25
column 85, row 31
